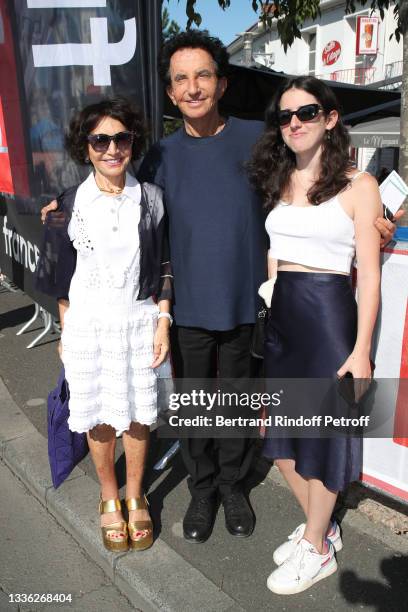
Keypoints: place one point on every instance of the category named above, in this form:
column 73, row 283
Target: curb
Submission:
column 158, row 579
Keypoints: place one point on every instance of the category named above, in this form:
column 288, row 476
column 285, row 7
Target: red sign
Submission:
column 401, row 414
column 6, row 182
column 367, row 35
column 13, row 159
column 331, row 53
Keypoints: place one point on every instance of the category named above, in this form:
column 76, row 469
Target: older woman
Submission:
column 104, row 260
column 321, row 213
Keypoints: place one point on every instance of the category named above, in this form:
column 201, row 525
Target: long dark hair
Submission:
column 272, row 163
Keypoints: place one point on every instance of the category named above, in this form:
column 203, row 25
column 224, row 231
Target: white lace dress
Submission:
column 107, row 341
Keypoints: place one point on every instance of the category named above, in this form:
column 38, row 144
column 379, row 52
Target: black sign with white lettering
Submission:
column 57, row 56
column 21, row 237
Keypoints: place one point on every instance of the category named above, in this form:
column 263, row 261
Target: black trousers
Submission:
column 214, row 464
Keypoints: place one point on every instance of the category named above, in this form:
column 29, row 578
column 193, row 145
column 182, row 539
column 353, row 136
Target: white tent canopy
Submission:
column 376, row 134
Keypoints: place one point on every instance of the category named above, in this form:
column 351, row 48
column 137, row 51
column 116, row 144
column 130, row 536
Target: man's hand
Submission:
column 48, row 208
column 387, row 228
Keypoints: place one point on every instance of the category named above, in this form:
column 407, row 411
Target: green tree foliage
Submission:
column 291, row 14
column 169, row 26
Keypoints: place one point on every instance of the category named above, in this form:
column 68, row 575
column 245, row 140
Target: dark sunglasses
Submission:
column 303, row 113
column 101, row 142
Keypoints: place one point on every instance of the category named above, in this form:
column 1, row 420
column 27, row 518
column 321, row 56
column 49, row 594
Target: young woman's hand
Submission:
column 387, row 228
column 161, row 342
column 359, row 366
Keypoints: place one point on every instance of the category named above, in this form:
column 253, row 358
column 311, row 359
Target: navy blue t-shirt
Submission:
column 217, row 236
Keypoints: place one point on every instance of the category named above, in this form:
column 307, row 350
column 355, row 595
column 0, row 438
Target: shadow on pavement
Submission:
column 16, row 317
column 381, row 597
column 176, row 472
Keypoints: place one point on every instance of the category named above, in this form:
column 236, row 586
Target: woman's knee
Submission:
column 138, row 431
column 285, row 466
column 102, row 433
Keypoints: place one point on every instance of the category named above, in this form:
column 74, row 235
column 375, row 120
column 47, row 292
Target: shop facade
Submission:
column 354, row 48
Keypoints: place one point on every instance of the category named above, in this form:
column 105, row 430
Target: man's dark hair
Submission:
column 193, row 39
column 86, row 120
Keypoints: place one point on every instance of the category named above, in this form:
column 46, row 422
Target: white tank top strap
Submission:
column 357, row 174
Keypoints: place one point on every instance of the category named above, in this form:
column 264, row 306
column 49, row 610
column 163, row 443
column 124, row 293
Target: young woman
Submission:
column 321, row 214
column 104, row 259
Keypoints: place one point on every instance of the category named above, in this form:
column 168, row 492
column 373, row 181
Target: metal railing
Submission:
column 393, row 70
column 355, row 76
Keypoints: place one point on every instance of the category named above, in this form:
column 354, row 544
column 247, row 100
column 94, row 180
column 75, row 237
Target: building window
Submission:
column 311, row 41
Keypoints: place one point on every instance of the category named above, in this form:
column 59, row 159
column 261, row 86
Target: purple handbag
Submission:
column 65, row 448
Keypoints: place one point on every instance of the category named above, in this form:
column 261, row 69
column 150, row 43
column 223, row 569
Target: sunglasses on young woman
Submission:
column 304, row 113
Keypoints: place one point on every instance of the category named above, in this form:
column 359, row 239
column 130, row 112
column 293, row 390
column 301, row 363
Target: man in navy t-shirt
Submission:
column 217, row 251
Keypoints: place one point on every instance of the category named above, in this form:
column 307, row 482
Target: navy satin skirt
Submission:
column 311, row 332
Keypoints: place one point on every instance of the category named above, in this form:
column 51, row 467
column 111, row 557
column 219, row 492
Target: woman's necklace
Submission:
column 115, row 190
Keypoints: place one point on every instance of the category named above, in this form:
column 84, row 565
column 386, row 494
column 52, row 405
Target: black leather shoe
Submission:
column 199, row 519
column 239, row 518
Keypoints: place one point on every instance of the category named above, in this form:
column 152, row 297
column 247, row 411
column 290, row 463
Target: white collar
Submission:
column 91, row 190
column 132, row 188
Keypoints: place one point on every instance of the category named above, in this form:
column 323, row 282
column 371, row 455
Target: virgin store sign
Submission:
column 331, row 53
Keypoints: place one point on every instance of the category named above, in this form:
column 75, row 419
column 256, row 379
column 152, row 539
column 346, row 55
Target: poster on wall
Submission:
column 367, row 35
column 57, row 56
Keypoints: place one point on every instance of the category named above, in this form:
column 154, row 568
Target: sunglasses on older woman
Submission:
column 101, row 142
column 307, row 112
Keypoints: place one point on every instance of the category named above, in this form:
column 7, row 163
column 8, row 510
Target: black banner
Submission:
column 57, row 56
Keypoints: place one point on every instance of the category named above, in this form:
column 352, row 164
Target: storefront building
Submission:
column 349, row 48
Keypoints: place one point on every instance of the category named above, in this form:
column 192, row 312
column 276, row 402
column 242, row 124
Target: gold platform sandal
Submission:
column 140, row 532
column 112, row 540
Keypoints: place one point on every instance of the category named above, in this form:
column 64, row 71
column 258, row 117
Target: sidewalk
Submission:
column 225, row 573
column 34, row 557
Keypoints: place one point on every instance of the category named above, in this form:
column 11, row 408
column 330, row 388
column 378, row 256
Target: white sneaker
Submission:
column 302, row 569
column 286, row 549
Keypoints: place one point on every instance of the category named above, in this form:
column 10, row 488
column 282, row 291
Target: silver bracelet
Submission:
column 165, row 315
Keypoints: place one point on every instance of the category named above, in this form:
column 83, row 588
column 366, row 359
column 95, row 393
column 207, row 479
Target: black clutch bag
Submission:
column 258, row 334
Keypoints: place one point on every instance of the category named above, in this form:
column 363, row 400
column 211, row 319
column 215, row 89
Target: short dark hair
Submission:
column 193, row 39
column 84, row 121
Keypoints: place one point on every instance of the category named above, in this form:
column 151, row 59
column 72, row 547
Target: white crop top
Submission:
column 317, row 236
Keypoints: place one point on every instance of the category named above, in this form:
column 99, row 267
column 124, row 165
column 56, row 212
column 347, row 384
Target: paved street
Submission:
column 373, row 566
column 38, row 556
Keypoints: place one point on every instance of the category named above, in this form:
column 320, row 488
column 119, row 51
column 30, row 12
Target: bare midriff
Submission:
column 289, row 266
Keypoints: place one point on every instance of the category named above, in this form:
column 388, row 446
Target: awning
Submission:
column 250, row 90
column 376, row 134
